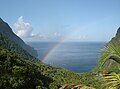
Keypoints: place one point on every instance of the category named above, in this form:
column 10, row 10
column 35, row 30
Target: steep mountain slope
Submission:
column 110, row 58
column 19, row 70
column 18, row 73
column 10, row 45
column 109, row 67
column 7, row 31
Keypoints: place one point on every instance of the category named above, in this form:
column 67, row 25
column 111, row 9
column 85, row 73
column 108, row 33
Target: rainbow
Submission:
column 50, row 52
column 65, row 38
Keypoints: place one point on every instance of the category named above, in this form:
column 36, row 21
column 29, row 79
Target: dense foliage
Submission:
column 18, row 73
column 20, row 70
column 109, row 66
column 110, row 59
column 10, row 45
column 111, row 80
column 7, row 31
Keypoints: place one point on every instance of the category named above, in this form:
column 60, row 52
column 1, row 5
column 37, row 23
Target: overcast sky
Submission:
column 56, row 20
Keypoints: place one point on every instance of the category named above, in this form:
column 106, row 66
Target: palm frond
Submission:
column 73, row 86
column 111, row 81
column 111, row 51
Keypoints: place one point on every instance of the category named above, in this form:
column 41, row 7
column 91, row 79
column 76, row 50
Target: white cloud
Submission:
column 25, row 30
column 41, row 36
column 22, row 28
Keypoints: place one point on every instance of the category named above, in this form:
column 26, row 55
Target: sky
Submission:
column 62, row 20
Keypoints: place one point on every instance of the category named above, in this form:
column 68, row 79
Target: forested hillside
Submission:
column 18, row 73
column 7, row 31
column 110, row 59
column 109, row 65
column 10, row 45
column 20, row 70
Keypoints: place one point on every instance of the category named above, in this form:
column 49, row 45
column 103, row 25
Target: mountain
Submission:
column 7, row 31
column 118, row 33
column 10, row 45
column 19, row 70
column 110, row 59
column 18, row 73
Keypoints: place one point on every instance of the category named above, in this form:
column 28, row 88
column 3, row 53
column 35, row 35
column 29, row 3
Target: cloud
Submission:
column 25, row 30
column 22, row 28
column 37, row 36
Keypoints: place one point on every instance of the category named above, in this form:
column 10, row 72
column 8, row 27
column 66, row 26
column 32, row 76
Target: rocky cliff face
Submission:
column 6, row 30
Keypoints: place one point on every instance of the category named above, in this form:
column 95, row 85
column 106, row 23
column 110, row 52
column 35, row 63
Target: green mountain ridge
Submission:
column 109, row 65
column 10, row 45
column 109, row 59
column 20, row 70
column 17, row 73
column 7, row 31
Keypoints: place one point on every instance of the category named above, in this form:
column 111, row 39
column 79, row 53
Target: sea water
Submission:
column 78, row 57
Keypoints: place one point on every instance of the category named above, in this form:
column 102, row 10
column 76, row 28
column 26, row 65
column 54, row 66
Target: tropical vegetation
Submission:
column 109, row 66
column 20, row 70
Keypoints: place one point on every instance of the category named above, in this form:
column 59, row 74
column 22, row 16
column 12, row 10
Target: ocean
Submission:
column 78, row 57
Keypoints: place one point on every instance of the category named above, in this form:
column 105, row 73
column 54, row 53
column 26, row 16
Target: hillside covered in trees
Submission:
column 7, row 31
column 20, row 70
column 18, row 73
column 109, row 64
column 110, row 59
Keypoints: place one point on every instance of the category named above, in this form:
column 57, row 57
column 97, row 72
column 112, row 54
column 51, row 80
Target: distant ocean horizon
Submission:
column 78, row 57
